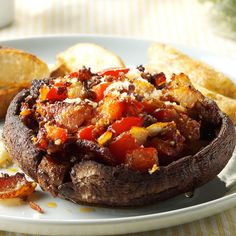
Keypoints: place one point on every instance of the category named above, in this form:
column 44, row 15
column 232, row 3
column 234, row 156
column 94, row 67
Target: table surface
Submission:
column 172, row 21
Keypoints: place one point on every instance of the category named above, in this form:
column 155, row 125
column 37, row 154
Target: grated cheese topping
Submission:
column 72, row 100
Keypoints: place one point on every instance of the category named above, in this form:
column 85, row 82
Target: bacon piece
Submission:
column 36, row 207
column 15, row 186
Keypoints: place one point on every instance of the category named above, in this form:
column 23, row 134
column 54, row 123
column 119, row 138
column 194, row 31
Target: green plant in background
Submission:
column 222, row 16
column 213, row 1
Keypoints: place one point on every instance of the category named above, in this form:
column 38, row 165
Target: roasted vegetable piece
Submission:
column 57, row 94
column 159, row 80
column 56, row 134
column 87, row 133
column 170, row 149
column 73, row 75
column 43, row 92
column 112, row 109
column 165, row 114
column 140, row 134
column 15, row 186
column 160, row 127
column 142, row 159
column 105, row 138
column 99, row 90
column 116, row 72
column 133, row 108
column 125, row 124
column 124, row 143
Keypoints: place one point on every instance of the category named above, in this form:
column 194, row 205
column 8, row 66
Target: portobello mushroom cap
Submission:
column 91, row 182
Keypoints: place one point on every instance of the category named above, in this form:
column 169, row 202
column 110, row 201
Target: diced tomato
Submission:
column 149, row 107
column 55, row 94
column 116, row 72
column 165, row 114
column 73, row 75
column 42, row 144
column 59, row 84
column 99, row 90
column 87, row 133
column 122, row 145
column 56, row 133
column 112, row 108
column 141, row 159
column 166, row 150
column 133, row 108
column 125, row 124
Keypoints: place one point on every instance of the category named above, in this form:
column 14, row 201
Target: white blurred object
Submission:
column 6, row 12
column 222, row 17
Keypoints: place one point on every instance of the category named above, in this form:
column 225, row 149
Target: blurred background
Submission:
column 176, row 21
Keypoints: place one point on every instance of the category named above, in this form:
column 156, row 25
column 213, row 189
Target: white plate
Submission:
column 68, row 218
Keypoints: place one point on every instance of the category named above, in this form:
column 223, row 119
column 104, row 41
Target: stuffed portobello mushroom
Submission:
column 121, row 137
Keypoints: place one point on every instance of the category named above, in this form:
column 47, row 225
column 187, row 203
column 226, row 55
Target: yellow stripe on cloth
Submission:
column 219, row 225
column 197, row 227
column 209, row 226
column 232, row 228
column 186, row 229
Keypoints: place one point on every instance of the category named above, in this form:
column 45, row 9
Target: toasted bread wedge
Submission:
column 18, row 68
column 226, row 104
column 59, row 70
column 212, row 84
column 6, row 95
column 169, row 60
column 85, row 54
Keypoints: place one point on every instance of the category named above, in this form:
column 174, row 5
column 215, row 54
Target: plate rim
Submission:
column 115, row 37
column 121, row 219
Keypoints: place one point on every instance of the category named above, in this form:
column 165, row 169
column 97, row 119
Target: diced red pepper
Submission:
column 122, row 145
column 141, row 159
column 165, row 114
column 73, row 75
column 99, row 90
column 126, row 124
column 57, row 94
column 59, row 84
column 43, row 144
column 56, row 133
column 87, row 133
column 116, row 72
column 133, row 108
column 150, row 107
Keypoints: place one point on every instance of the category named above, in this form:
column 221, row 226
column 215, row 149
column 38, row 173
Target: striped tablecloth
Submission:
column 174, row 21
